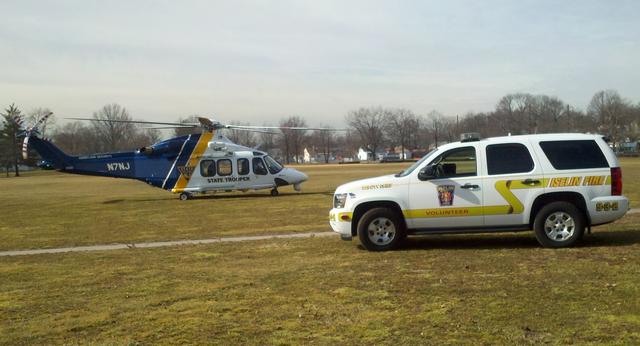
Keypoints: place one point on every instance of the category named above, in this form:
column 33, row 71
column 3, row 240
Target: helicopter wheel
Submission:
column 274, row 192
column 185, row 196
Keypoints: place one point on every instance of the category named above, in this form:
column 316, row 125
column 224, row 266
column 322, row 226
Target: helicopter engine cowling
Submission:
column 146, row 150
column 168, row 147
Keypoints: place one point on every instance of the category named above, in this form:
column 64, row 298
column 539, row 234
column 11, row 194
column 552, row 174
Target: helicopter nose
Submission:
column 295, row 176
column 299, row 177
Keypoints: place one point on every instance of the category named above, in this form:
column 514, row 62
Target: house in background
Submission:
column 367, row 155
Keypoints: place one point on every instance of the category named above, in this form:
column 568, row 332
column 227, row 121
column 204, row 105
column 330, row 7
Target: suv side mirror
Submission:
column 427, row 173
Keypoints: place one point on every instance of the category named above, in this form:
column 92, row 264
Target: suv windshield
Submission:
column 415, row 165
column 273, row 165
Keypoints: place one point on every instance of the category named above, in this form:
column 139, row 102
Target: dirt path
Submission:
column 155, row 244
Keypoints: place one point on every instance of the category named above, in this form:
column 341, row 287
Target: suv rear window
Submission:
column 574, row 154
column 508, row 158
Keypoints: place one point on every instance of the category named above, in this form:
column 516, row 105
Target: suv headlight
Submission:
column 339, row 199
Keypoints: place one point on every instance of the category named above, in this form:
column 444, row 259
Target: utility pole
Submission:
column 435, row 127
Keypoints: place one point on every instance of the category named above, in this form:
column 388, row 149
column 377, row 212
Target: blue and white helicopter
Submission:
column 187, row 165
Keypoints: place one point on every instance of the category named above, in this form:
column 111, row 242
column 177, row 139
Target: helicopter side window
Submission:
column 273, row 165
column 224, row 167
column 243, row 166
column 207, row 168
column 258, row 166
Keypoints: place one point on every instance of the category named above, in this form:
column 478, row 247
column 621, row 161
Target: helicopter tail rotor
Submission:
column 32, row 130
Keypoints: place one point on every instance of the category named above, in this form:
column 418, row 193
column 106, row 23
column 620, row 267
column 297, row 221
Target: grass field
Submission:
column 52, row 209
column 473, row 289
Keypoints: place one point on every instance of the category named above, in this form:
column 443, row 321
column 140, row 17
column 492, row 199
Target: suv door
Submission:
column 452, row 197
column 512, row 183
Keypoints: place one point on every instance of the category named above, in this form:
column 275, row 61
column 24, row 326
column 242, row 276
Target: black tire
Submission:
column 274, row 192
column 380, row 229
column 185, row 196
column 559, row 224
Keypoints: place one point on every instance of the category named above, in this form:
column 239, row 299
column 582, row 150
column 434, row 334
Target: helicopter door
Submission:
column 243, row 170
column 260, row 175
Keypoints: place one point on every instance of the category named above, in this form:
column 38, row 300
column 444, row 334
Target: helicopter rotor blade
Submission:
column 138, row 122
column 285, row 128
column 252, row 130
column 170, row 127
column 210, row 125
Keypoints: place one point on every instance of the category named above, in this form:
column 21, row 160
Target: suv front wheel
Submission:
column 559, row 224
column 380, row 229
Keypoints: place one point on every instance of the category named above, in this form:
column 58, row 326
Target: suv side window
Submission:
column 508, row 158
column 459, row 162
column 574, row 154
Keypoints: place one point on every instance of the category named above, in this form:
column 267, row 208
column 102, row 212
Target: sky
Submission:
column 261, row 61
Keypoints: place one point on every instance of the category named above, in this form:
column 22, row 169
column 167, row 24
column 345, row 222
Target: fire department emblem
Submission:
column 445, row 195
column 186, row 171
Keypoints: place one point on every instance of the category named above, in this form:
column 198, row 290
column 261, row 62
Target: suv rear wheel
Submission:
column 380, row 229
column 559, row 224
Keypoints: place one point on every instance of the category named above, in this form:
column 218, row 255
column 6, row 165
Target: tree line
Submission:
column 375, row 129
column 521, row 113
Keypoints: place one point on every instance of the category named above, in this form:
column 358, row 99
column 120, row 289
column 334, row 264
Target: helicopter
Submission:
column 198, row 163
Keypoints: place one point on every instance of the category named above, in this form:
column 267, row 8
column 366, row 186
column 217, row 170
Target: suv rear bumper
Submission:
column 607, row 209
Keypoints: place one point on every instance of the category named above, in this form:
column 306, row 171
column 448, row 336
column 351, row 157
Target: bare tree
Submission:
column 144, row 137
column 368, row 123
column 438, row 123
column 37, row 114
column 347, row 145
column 76, row 138
column 113, row 135
column 324, row 140
column 609, row 110
column 550, row 112
column 267, row 140
column 183, row 131
column 246, row 138
column 400, row 124
column 516, row 114
column 292, row 140
column 153, row 135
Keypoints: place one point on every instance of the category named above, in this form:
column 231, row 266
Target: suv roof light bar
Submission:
column 470, row 137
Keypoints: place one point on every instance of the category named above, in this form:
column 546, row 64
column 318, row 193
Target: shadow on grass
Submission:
column 470, row 241
column 523, row 240
column 221, row 197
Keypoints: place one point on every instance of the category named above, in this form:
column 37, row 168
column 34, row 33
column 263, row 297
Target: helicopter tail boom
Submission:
column 49, row 152
column 162, row 165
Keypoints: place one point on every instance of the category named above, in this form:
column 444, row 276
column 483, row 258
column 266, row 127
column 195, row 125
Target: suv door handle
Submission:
column 470, row 186
column 531, row 181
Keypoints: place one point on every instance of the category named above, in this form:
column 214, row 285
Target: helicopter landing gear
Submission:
column 274, row 192
column 185, row 196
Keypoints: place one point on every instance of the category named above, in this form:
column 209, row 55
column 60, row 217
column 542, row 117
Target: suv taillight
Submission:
column 616, row 181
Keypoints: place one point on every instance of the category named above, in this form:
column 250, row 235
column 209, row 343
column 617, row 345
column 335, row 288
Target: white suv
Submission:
column 555, row 184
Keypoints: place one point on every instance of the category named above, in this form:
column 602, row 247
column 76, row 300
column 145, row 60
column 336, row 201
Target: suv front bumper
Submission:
column 340, row 221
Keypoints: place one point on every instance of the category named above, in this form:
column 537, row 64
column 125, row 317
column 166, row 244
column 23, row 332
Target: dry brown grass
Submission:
column 467, row 289
column 54, row 209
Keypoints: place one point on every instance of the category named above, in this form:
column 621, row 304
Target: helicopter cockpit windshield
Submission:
column 273, row 165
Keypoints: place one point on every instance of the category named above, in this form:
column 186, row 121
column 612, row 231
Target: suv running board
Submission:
column 460, row 230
